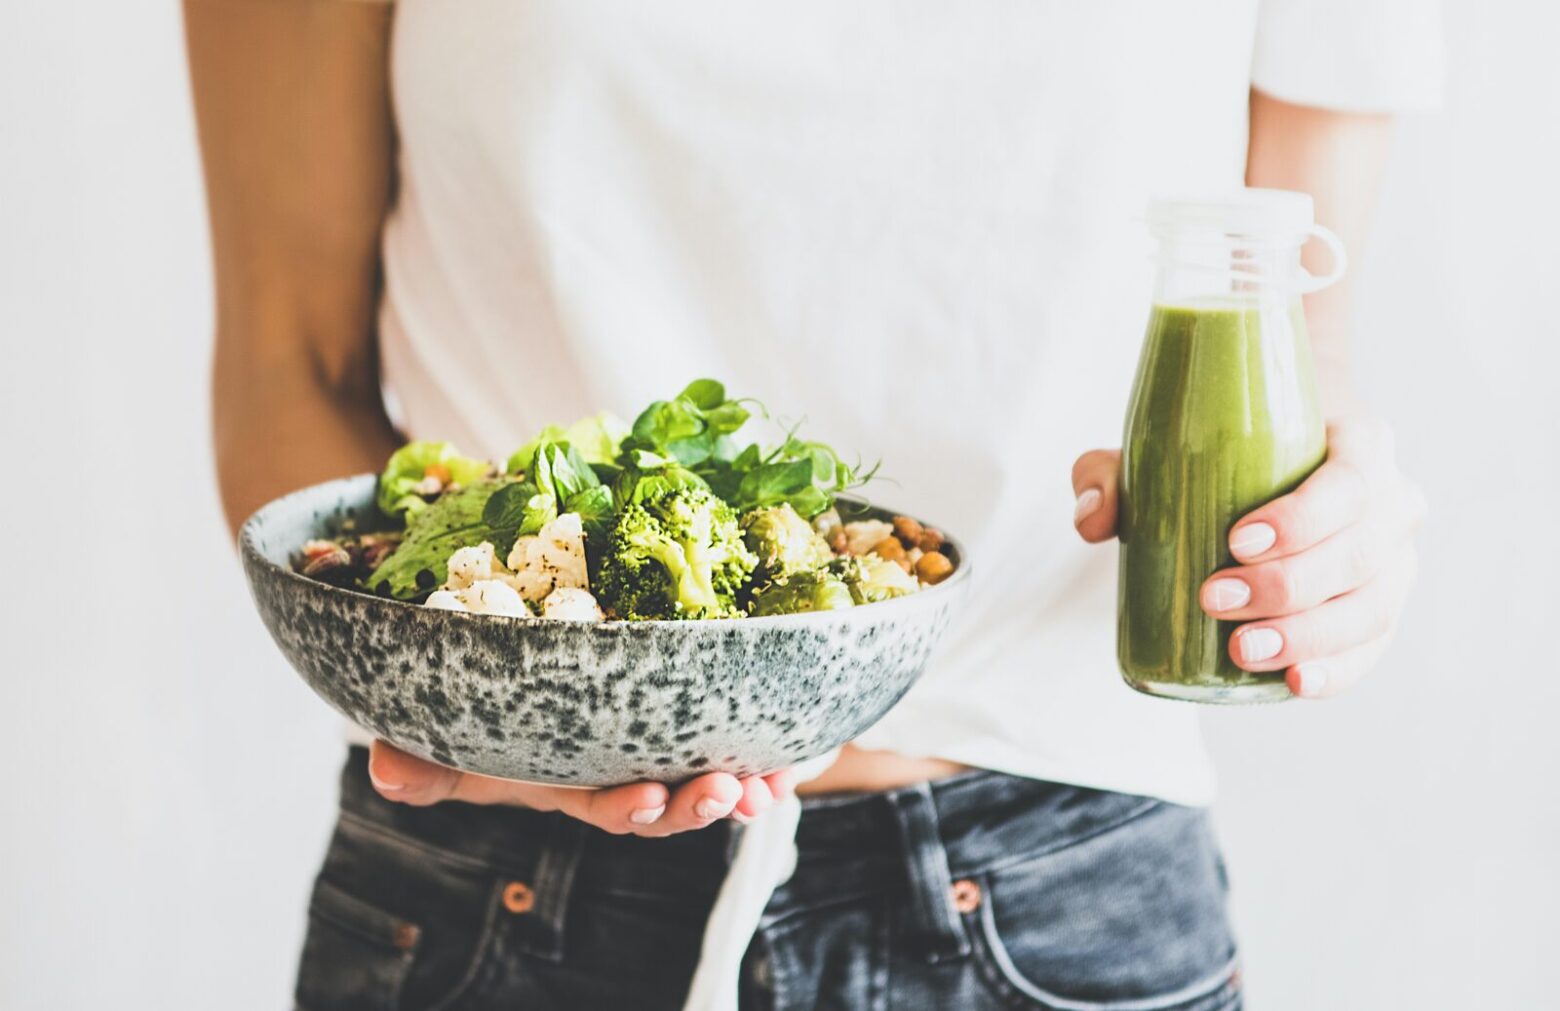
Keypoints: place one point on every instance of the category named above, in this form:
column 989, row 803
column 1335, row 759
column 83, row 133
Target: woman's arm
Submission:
column 297, row 136
column 1338, row 158
column 291, row 97
column 1323, row 572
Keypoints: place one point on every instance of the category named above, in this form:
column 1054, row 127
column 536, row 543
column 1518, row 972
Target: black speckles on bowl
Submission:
column 578, row 703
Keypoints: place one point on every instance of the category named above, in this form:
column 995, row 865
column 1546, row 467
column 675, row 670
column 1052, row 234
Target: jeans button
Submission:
column 518, row 897
column 966, row 895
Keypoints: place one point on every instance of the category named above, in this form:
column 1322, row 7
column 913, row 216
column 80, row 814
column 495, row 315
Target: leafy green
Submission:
column 596, row 440
column 595, row 506
column 697, row 429
column 409, row 465
column 812, row 590
column 689, row 427
column 598, row 437
column 659, row 501
column 433, row 533
column 515, row 510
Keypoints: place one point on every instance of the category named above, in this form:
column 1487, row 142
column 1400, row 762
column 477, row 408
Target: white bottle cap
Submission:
column 1258, row 217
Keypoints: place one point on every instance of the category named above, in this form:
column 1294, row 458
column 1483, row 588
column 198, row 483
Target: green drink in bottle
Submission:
column 1224, row 417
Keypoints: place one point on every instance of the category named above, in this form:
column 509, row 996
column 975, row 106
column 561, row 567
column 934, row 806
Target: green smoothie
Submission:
column 1224, row 417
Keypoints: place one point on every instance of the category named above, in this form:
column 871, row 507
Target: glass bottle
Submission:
column 1224, row 417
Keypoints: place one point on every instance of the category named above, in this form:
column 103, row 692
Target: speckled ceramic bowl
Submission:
column 577, row 703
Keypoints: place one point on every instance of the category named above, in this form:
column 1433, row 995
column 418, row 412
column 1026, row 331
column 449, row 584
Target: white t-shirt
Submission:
column 915, row 223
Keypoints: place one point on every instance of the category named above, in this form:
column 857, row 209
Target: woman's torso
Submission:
column 914, row 223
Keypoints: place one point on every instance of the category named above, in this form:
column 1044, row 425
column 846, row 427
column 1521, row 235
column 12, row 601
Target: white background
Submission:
column 167, row 784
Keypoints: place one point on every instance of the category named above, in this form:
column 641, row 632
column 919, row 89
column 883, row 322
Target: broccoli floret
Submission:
column 808, row 590
column 783, row 541
column 675, row 551
column 872, row 578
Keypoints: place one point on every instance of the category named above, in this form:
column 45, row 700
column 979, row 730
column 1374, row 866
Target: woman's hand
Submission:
column 646, row 809
column 1324, row 571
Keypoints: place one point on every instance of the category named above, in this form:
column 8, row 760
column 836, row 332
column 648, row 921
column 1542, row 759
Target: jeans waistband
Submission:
column 524, row 842
column 926, row 835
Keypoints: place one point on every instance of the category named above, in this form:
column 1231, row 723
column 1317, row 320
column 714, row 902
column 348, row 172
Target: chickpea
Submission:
column 931, row 539
column 934, row 567
column 908, row 530
column 889, row 549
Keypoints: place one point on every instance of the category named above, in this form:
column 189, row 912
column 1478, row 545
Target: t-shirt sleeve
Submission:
column 1350, row 55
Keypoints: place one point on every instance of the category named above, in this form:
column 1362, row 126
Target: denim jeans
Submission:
column 978, row 891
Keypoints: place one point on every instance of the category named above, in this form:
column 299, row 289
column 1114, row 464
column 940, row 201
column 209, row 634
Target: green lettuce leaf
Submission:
column 407, row 467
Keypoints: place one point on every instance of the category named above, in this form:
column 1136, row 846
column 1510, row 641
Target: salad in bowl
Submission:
column 668, row 519
column 612, row 602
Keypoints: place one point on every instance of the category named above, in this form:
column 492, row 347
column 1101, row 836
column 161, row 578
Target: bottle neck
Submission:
column 1226, row 269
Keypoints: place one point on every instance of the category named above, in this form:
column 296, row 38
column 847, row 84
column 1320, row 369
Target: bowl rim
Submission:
column 251, row 555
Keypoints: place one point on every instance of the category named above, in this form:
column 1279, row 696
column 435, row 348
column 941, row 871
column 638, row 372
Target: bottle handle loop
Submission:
column 1340, row 261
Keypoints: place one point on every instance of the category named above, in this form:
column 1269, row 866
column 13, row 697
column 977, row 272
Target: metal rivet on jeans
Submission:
column 405, row 936
column 518, row 897
column 966, row 895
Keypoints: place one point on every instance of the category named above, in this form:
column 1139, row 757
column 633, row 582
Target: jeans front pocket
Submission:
column 396, row 924
column 1132, row 919
column 356, row 956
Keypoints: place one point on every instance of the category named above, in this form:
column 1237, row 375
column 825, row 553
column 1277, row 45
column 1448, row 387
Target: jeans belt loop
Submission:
column 935, row 925
column 554, row 886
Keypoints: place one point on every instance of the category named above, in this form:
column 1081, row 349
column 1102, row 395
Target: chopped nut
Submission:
column 374, row 548
column 931, row 539
column 838, row 543
column 908, row 530
column 321, row 562
column 314, row 549
column 934, row 567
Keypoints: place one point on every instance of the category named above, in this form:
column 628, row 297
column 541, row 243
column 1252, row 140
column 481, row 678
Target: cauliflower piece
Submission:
column 554, row 557
column 570, row 603
column 471, row 565
column 445, row 600
column 861, row 536
column 492, row 596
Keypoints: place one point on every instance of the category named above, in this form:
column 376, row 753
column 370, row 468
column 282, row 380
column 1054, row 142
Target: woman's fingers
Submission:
column 408, row 779
column 1340, row 624
column 1338, row 494
column 1345, row 561
column 697, row 803
column 648, row 809
column 1330, row 500
column 782, row 784
column 757, row 798
column 1094, row 483
column 1322, row 679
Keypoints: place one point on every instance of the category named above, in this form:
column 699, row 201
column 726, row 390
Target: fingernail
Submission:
column 1088, row 501
column 646, row 815
column 1228, row 594
column 1312, row 678
column 1252, row 539
column 1260, row 644
column 740, row 818
column 381, row 785
column 709, row 807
